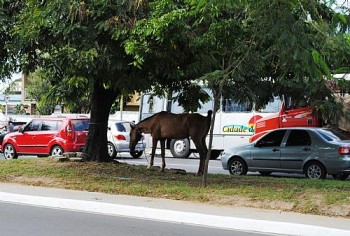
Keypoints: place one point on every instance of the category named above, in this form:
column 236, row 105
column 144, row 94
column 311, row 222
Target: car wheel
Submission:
column 111, row 150
column 265, row 173
column 342, row 176
column 237, row 166
column 315, row 170
column 56, row 151
column 136, row 154
column 10, row 152
column 180, row 148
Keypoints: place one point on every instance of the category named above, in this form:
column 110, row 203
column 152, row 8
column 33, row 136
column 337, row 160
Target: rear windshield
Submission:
column 123, row 127
column 332, row 135
column 81, row 125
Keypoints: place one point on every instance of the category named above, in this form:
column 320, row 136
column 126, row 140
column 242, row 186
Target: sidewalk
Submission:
column 245, row 219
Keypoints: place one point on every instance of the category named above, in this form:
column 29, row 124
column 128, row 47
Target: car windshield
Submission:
column 332, row 135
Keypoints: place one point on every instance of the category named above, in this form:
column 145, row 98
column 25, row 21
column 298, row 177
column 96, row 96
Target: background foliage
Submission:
column 250, row 49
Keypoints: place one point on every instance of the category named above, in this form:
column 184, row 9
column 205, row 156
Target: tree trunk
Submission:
column 96, row 142
column 211, row 131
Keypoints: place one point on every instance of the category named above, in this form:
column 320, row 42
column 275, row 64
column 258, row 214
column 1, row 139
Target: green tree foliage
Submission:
column 8, row 59
column 20, row 109
column 248, row 48
column 72, row 94
column 183, row 42
column 298, row 41
column 80, row 44
column 38, row 90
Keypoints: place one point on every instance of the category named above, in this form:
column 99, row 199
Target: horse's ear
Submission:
column 132, row 125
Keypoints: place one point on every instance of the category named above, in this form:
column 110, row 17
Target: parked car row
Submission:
column 55, row 135
column 314, row 152
column 46, row 136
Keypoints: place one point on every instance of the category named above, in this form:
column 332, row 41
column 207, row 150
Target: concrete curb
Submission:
column 225, row 222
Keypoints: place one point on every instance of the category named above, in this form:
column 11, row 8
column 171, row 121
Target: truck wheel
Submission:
column 180, row 148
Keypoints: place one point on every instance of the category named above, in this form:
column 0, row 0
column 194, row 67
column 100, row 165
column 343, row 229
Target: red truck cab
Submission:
column 295, row 117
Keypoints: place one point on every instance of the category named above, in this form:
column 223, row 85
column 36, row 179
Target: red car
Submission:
column 47, row 136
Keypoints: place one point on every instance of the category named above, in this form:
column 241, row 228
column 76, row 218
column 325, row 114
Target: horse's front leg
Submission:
column 154, row 146
column 162, row 148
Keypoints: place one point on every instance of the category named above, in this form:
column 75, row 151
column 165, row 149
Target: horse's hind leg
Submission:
column 162, row 148
column 202, row 153
column 154, row 146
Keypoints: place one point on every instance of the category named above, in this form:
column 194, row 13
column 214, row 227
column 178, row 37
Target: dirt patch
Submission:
column 239, row 201
column 316, row 205
column 342, row 210
column 33, row 180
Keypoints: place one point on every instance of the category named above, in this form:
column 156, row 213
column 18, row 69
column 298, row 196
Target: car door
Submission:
column 266, row 152
column 27, row 139
column 80, row 128
column 48, row 132
column 298, row 147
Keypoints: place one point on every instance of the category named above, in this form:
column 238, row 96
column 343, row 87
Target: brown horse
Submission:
column 165, row 125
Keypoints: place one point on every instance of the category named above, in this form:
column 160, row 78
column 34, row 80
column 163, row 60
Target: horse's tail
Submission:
column 210, row 112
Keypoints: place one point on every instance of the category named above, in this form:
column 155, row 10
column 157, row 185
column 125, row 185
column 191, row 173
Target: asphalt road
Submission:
column 190, row 164
column 25, row 220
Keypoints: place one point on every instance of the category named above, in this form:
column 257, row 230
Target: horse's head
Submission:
column 135, row 136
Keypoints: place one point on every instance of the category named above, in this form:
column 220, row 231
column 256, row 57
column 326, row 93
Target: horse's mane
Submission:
column 210, row 112
column 152, row 116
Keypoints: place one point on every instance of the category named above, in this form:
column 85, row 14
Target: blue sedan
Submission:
column 314, row 152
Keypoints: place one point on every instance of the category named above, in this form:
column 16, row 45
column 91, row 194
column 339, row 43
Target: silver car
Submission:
column 118, row 139
column 314, row 152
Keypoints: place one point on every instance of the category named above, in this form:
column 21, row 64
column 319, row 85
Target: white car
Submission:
column 118, row 139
